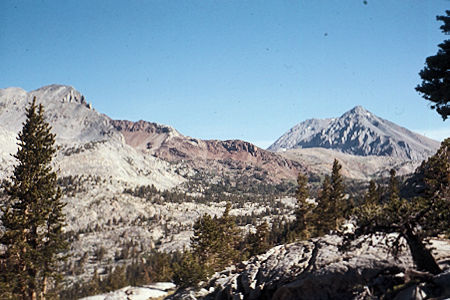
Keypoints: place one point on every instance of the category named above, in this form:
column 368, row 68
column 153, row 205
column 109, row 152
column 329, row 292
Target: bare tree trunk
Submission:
column 422, row 257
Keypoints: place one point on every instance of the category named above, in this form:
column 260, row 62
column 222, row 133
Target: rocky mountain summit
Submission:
column 358, row 132
column 88, row 143
column 317, row 269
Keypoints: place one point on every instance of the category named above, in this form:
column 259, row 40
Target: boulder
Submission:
column 317, row 269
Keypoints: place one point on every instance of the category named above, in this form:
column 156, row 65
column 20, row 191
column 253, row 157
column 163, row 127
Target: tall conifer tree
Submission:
column 393, row 189
column 435, row 86
column 373, row 194
column 331, row 206
column 229, row 239
column 32, row 215
column 304, row 209
column 321, row 214
column 338, row 203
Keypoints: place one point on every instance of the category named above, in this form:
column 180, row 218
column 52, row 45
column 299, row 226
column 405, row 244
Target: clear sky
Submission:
column 228, row 69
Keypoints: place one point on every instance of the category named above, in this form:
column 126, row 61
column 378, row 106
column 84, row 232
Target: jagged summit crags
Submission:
column 358, row 132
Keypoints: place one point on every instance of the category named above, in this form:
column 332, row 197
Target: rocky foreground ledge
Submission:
column 316, row 269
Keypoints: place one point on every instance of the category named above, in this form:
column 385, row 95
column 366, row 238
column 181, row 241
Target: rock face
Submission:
column 167, row 143
column 358, row 132
column 314, row 269
column 89, row 143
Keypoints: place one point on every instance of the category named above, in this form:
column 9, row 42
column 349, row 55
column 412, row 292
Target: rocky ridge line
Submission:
column 167, row 143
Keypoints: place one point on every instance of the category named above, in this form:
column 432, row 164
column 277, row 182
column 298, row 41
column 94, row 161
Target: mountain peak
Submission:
column 357, row 111
column 358, row 132
column 60, row 93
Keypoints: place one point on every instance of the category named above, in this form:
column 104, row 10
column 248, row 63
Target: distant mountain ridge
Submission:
column 358, row 132
column 93, row 143
column 167, row 143
column 105, row 143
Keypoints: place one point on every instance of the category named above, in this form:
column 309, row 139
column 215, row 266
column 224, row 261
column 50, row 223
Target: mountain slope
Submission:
column 167, row 143
column 89, row 144
column 320, row 161
column 358, row 132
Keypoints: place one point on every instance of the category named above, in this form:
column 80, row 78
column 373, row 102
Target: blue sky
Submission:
column 231, row 68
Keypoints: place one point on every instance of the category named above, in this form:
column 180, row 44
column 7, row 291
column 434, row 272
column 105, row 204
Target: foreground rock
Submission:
column 318, row 270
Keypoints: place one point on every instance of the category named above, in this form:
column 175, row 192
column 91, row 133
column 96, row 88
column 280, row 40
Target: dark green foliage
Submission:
column 282, row 231
column 436, row 195
column 205, row 242
column 373, row 193
column 332, row 207
column 322, row 220
column 216, row 240
column 230, row 239
column 418, row 219
column 340, row 205
column 303, row 213
column 393, row 188
column 32, row 215
column 435, row 86
column 158, row 267
column 215, row 245
column 190, row 271
column 259, row 242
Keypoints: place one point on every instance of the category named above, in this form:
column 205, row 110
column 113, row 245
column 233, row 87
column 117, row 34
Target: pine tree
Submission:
column 393, row 191
column 229, row 239
column 205, row 242
column 373, row 195
column 338, row 204
column 304, row 209
column 214, row 245
column 332, row 207
column 258, row 242
column 435, row 86
column 189, row 272
column 32, row 217
column 321, row 217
